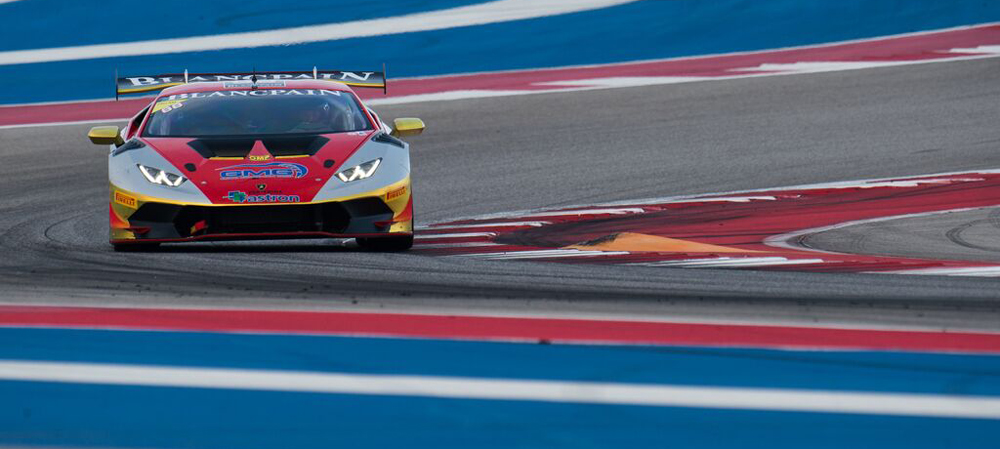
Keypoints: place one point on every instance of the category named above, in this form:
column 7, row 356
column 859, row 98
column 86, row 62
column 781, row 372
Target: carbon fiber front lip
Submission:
column 168, row 222
column 261, row 236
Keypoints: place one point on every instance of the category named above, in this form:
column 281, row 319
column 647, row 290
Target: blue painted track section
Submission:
column 80, row 415
column 636, row 31
column 35, row 23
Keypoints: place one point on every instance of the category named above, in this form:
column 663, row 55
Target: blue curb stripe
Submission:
column 824, row 370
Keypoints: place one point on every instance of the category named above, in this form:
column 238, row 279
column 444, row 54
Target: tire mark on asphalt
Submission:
column 955, row 234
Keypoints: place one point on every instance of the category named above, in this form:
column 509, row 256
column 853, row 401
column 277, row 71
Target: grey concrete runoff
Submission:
column 499, row 154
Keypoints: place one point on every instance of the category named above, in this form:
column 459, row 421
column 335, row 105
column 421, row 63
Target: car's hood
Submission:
column 248, row 170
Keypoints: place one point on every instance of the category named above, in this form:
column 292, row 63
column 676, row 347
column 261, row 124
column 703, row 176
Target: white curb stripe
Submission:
column 905, row 404
column 480, row 14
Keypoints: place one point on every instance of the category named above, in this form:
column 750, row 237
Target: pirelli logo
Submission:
column 393, row 194
column 125, row 200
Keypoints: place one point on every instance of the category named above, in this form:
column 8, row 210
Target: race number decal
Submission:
column 167, row 105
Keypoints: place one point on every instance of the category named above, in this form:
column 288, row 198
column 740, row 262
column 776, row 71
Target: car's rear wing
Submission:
column 151, row 83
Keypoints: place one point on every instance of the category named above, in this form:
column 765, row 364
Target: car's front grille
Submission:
column 332, row 218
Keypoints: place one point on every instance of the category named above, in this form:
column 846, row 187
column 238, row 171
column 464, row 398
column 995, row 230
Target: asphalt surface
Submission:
column 500, row 154
column 966, row 235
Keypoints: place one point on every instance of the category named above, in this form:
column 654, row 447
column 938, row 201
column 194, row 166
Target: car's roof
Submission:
column 261, row 84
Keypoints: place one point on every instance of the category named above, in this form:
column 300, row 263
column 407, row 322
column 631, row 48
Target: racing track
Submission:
column 501, row 154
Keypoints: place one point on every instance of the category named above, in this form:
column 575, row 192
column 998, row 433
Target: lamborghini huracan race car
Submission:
column 267, row 155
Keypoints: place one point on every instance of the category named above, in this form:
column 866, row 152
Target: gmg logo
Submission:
column 272, row 170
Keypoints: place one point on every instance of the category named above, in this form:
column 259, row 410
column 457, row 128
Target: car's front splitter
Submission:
column 260, row 236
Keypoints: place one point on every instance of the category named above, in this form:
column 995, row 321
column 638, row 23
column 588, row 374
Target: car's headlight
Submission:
column 360, row 172
column 157, row 176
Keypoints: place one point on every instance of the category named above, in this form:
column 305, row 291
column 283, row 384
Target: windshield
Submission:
column 256, row 112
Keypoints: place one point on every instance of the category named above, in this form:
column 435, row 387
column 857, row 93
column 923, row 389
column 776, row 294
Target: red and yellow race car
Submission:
column 268, row 155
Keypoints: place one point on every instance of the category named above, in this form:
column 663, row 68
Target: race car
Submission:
column 262, row 155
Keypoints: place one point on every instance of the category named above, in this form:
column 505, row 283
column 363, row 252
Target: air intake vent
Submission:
column 222, row 147
column 294, row 146
column 209, row 147
column 385, row 138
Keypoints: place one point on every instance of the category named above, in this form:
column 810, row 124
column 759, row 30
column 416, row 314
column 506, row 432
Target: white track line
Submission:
column 78, row 122
column 963, row 271
column 731, row 262
column 541, row 254
column 455, row 245
column 564, row 213
column 509, row 224
column 462, row 235
column 982, row 49
column 867, row 403
column 479, row 14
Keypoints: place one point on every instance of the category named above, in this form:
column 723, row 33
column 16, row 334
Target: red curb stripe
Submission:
column 498, row 329
column 760, row 227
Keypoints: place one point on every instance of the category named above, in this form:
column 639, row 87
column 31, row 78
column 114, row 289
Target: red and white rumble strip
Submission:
column 969, row 42
column 527, row 329
column 751, row 229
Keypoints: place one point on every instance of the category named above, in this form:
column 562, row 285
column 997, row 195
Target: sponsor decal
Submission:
column 167, row 105
column 259, row 158
column 393, row 194
column 278, row 192
column 256, row 93
column 270, row 170
column 126, row 200
column 346, row 77
column 262, row 187
column 237, row 196
column 239, row 84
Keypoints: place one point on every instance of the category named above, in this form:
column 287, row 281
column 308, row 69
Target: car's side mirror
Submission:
column 403, row 127
column 105, row 135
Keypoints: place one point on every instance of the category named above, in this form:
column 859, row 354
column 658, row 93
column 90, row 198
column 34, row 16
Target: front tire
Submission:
column 386, row 244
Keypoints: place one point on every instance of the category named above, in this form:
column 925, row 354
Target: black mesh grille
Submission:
column 155, row 212
column 263, row 219
column 187, row 221
column 294, row 146
column 222, row 147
